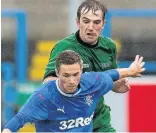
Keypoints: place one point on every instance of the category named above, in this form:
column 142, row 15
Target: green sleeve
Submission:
column 58, row 48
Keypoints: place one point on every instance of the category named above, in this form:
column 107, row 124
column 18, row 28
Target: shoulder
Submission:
column 88, row 81
column 92, row 77
column 44, row 90
column 88, row 77
column 96, row 80
column 66, row 42
column 108, row 42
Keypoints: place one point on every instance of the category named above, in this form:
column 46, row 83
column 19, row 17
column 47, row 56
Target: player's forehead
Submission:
column 70, row 69
column 95, row 15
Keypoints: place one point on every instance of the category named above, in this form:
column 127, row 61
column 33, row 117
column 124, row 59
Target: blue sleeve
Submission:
column 114, row 74
column 35, row 109
column 106, row 84
column 106, row 80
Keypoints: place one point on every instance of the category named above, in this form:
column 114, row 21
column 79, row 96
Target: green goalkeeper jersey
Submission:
column 98, row 57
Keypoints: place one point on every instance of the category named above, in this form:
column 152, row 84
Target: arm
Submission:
column 6, row 131
column 50, row 78
column 35, row 109
column 121, row 86
column 113, row 75
column 133, row 71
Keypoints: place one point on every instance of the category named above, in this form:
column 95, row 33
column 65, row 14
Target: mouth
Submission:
column 91, row 34
column 72, row 86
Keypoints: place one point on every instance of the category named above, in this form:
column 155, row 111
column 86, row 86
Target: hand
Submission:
column 6, row 131
column 121, row 86
column 137, row 67
column 50, row 78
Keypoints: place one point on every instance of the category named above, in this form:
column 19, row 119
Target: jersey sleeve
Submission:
column 34, row 109
column 107, row 79
column 114, row 74
column 58, row 48
column 101, row 82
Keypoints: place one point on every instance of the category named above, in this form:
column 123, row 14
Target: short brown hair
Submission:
column 93, row 5
column 68, row 57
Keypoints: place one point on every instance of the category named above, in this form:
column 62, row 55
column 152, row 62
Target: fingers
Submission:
column 143, row 69
column 139, row 75
column 128, row 86
column 138, row 65
column 142, row 64
column 126, row 80
column 140, row 60
column 136, row 58
column 127, row 83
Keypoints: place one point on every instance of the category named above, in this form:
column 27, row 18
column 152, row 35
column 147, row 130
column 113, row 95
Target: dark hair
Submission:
column 93, row 5
column 68, row 57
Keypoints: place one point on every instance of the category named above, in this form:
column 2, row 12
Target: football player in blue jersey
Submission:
column 68, row 103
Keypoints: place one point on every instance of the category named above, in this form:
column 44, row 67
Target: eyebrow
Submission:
column 85, row 18
column 89, row 19
column 70, row 74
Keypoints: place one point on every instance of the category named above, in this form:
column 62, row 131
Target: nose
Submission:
column 71, row 80
column 90, row 26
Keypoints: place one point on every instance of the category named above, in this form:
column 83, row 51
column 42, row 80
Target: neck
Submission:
column 61, row 88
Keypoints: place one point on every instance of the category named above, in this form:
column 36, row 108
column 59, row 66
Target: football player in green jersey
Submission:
column 97, row 52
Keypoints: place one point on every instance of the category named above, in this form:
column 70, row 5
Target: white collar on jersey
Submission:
column 65, row 94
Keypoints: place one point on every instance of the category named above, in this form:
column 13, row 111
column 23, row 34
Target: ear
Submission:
column 57, row 74
column 104, row 22
column 78, row 22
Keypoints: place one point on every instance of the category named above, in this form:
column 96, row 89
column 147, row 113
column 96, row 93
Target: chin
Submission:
column 91, row 41
column 70, row 92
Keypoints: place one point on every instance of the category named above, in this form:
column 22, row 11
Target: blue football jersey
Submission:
column 52, row 110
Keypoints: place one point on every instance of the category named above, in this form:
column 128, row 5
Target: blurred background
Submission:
column 30, row 29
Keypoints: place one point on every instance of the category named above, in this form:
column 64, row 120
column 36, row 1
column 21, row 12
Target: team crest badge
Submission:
column 89, row 100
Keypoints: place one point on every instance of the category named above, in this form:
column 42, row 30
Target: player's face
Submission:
column 90, row 26
column 69, row 77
